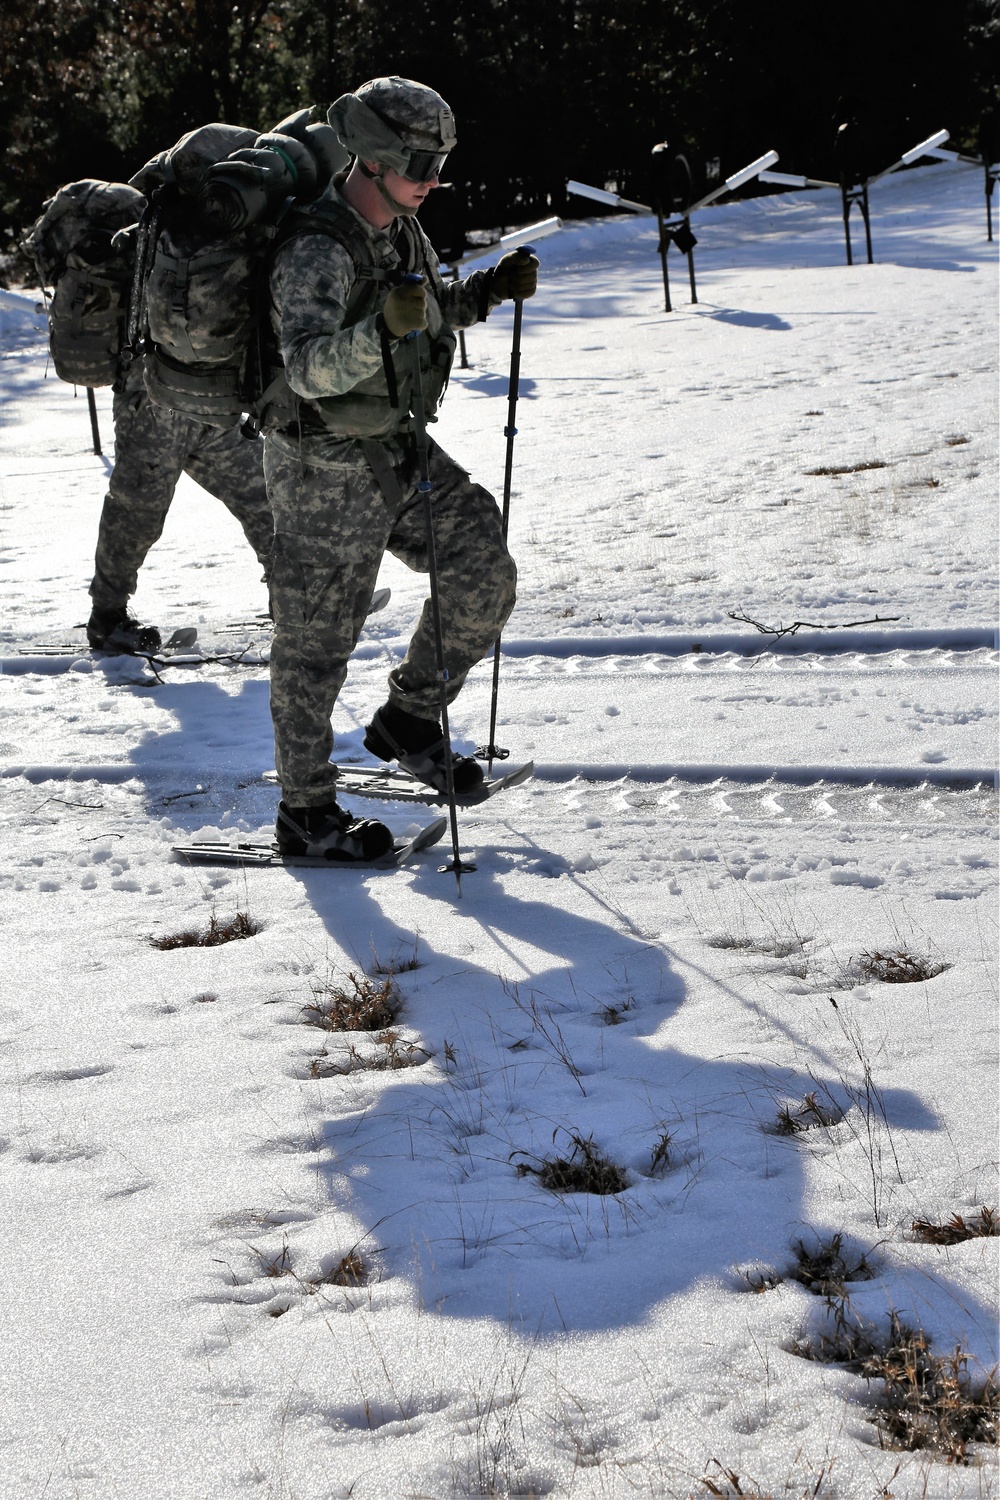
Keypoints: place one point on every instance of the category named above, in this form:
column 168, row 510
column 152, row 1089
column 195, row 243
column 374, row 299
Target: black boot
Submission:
column 115, row 630
column 418, row 746
column 330, row 832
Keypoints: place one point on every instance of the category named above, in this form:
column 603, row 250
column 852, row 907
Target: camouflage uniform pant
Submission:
column 153, row 447
column 333, row 523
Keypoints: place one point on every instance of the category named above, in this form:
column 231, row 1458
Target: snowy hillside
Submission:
column 251, row 1255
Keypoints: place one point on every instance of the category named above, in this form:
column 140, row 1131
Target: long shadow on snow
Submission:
column 221, row 743
column 513, row 996
column 493, row 383
column 770, row 322
column 523, row 1062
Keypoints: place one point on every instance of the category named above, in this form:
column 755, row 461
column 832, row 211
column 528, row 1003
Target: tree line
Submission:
column 541, row 92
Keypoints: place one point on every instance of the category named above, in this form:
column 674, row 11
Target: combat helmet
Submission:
column 397, row 123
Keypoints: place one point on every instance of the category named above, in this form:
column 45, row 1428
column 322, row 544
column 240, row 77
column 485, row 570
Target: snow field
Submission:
column 661, row 951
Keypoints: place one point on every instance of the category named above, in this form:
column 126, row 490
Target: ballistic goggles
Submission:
column 423, row 165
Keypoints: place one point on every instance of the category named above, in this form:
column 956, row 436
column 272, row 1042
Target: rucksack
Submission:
column 216, row 203
column 79, row 249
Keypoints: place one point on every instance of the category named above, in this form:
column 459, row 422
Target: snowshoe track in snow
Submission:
column 691, row 794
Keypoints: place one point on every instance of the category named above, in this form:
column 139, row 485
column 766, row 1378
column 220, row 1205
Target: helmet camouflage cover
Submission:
column 392, row 120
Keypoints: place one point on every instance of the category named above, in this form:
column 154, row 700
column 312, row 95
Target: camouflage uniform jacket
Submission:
column 339, row 360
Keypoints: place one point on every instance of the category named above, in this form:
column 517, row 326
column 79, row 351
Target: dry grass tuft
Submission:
column 359, row 1003
column 824, row 1269
column 396, row 964
column 957, row 1229
column 760, row 1279
column 899, row 967
column 811, row 1114
column 832, row 469
column 847, row 1340
column 927, row 1401
column 775, row 946
column 216, row 933
column 275, row 1265
column 392, row 1052
column 727, row 1485
column 614, row 1015
column 351, row 1270
column 585, row 1170
column 659, row 1158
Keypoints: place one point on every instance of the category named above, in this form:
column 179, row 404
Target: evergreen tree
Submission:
column 571, row 88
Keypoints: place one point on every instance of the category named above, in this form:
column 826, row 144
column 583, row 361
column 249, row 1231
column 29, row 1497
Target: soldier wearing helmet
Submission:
column 340, row 460
column 407, row 126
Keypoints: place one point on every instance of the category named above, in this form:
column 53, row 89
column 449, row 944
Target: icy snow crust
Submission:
column 662, row 937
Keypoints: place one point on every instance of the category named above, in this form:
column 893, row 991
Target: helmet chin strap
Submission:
column 401, row 210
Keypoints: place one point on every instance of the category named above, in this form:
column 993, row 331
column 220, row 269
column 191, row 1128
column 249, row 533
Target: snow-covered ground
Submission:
column 661, row 949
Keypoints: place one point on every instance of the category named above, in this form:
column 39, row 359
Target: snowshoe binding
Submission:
column 417, row 745
column 116, row 630
column 330, row 832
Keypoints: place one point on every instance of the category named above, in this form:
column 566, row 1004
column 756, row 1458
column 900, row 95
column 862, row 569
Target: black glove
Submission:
column 515, row 275
column 405, row 309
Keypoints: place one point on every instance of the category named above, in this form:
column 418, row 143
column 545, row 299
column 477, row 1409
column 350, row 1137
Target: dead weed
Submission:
column 659, row 1158
column 585, row 1170
column 727, row 1485
column 360, row 1002
column 397, row 964
column 770, row 947
column 834, row 469
column 810, row 1114
column 824, row 1268
column 242, row 925
column 925, row 1401
column 899, row 967
column 957, row 1229
column 392, row 1052
column 351, row 1270
column 760, row 1279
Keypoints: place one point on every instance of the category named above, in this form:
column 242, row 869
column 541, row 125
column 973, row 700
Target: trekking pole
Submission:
column 95, row 431
column 663, row 247
column 491, row 750
column 424, row 488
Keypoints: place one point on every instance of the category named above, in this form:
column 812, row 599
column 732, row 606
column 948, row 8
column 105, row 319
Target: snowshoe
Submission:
column 417, row 745
column 116, row 630
column 330, row 832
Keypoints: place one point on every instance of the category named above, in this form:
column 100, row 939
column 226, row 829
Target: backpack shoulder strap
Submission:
column 420, row 253
column 338, row 223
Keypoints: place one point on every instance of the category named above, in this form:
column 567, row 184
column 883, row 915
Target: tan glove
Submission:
column 515, row 275
column 405, row 309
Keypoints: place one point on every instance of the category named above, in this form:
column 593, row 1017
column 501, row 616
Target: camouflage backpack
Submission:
column 216, row 202
column 79, row 251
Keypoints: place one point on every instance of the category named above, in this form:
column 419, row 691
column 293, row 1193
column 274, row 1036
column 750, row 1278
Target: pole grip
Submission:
column 525, row 251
